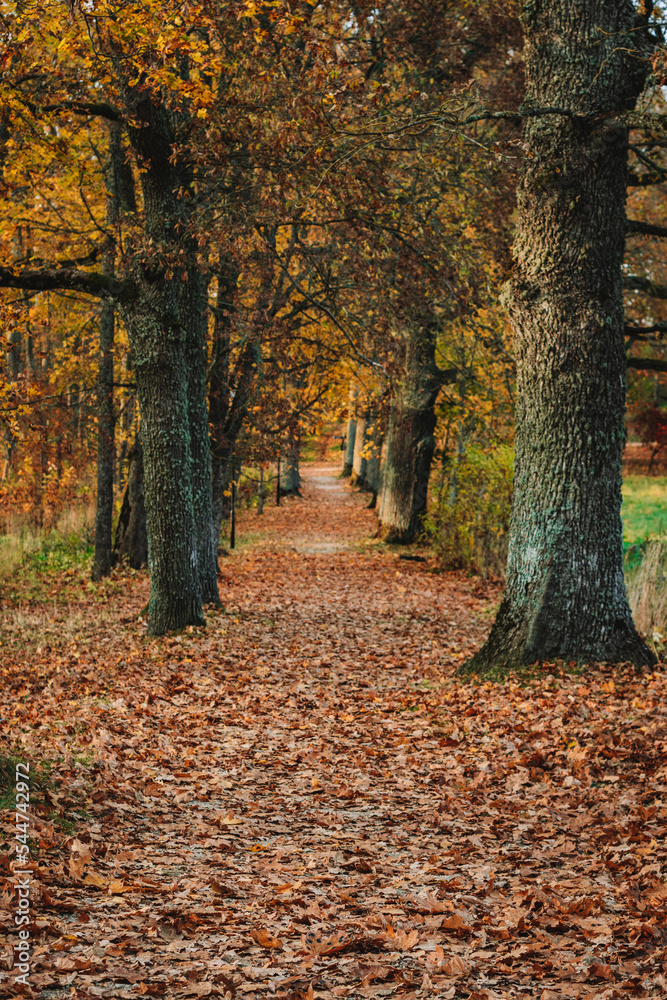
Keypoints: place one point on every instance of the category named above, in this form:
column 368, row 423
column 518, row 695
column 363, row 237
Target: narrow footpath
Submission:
column 302, row 801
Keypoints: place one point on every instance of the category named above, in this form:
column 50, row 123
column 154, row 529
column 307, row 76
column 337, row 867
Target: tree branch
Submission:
column 72, row 262
column 636, row 228
column 647, row 364
column 645, row 180
column 90, row 108
column 68, row 279
column 633, row 282
column 445, row 376
column 643, row 332
column 517, row 115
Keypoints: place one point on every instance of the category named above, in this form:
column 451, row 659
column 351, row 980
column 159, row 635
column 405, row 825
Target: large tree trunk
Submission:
column 159, row 361
column 230, row 392
column 223, row 469
column 131, row 544
column 194, row 296
column 106, row 450
column 359, row 461
column 290, row 477
column 120, row 198
column 565, row 595
column 348, row 459
column 162, row 352
column 220, row 397
column 374, row 461
column 410, row 441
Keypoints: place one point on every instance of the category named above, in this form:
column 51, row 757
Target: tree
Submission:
column 586, row 66
column 410, row 438
column 131, row 542
column 113, row 73
column 120, row 198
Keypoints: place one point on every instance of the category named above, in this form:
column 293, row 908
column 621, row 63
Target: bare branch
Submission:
column 634, row 283
column 635, row 228
column 645, row 180
column 89, row 108
column 644, row 332
column 647, row 364
column 66, row 278
column 39, row 262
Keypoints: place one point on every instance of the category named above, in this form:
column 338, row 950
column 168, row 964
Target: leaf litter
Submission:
column 302, row 801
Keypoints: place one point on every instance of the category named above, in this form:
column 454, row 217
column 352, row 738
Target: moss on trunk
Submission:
column 565, row 595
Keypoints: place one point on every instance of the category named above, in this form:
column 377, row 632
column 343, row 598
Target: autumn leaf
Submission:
column 454, row 923
column 405, row 940
column 116, row 886
column 264, row 939
column 227, row 820
column 96, row 880
column 454, row 967
column 77, row 866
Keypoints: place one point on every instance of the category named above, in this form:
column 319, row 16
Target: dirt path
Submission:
column 302, row 802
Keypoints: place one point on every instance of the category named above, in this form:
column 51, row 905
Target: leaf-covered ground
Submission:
column 302, row 801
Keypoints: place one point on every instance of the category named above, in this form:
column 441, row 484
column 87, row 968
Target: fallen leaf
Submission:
column 264, row 939
column 455, row 966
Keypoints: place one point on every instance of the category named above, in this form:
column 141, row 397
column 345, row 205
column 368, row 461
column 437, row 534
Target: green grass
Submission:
column 40, row 782
column 644, row 508
column 68, row 545
column 7, row 782
column 37, row 780
column 645, row 554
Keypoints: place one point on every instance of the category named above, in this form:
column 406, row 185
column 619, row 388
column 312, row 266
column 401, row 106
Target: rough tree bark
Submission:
column 374, row 461
column 410, row 440
column 348, row 459
column 290, row 477
column 220, row 396
column 230, row 391
column 565, row 595
column 159, row 361
column 131, row 544
column 194, row 316
column 359, row 461
column 120, row 198
column 158, row 341
column 106, row 452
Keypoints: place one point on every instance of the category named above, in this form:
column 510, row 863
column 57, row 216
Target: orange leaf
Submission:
column 264, row 939
column 455, row 966
column 92, row 878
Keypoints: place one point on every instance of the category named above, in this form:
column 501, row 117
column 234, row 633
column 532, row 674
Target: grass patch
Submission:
column 54, row 797
column 646, row 579
column 244, row 540
column 644, row 510
column 644, row 515
column 7, row 782
column 38, row 781
column 26, row 548
column 58, row 553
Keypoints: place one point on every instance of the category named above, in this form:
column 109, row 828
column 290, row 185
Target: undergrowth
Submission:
column 25, row 546
column 468, row 523
column 39, row 778
column 52, row 799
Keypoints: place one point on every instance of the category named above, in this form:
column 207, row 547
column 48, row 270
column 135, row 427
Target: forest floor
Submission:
column 302, row 801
